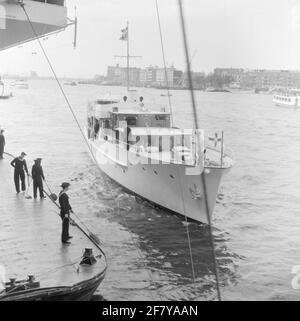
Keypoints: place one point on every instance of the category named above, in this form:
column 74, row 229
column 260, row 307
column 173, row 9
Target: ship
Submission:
column 287, row 98
column 34, row 264
column 4, row 94
column 20, row 84
column 134, row 142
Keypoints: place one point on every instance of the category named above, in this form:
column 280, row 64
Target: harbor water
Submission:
column 256, row 224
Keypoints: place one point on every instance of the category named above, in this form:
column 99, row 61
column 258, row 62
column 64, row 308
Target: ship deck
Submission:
column 30, row 240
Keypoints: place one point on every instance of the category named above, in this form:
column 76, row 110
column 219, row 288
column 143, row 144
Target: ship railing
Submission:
column 152, row 151
column 216, row 158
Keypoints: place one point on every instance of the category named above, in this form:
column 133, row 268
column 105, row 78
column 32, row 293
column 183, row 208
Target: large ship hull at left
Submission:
column 45, row 17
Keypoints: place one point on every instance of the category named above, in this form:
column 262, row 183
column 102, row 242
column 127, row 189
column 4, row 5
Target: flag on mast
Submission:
column 124, row 35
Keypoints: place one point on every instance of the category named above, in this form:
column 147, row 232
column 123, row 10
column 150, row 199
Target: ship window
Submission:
column 160, row 117
column 131, row 121
column 155, row 172
column 172, row 176
column 106, row 123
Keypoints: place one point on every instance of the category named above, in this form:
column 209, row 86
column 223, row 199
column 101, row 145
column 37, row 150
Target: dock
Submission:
column 30, row 245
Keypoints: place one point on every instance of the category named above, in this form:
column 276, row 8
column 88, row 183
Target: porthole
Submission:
column 155, row 172
column 144, row 168
column 172, row 176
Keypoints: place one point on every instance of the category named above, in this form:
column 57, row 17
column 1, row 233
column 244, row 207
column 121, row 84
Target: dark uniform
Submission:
column 2, row 144
column 38, row 177
column 65, row 209
column 19, row 165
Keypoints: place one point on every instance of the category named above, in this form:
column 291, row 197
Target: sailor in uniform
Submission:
column 38, row 177
column 65, row 210
column 20, row 165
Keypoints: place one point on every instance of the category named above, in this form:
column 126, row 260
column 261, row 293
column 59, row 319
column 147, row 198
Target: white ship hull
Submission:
column 285, row 101
column 166, row 185
column 15, row 28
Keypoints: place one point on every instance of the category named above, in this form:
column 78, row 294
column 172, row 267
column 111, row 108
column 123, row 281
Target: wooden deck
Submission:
column 30, row 239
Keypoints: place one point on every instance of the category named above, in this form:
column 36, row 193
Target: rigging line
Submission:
column 187, row 229
column 170, row 106
column 164, row 59
column 191, row 89
column 58, row 82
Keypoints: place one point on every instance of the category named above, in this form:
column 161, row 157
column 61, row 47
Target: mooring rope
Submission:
column 191, row 89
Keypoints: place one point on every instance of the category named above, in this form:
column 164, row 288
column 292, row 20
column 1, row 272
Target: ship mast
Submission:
column 125, row 37
column 128, row 59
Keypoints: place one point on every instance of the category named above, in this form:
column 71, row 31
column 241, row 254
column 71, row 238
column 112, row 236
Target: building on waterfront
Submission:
column 263, row 78
column 173, row 79
column 117, row 75
column 233, row 73
column 154, row 76
column 148, row 76
column 198, row 80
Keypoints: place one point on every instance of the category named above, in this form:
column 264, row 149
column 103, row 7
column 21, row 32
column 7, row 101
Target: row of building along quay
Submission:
column 232, row 78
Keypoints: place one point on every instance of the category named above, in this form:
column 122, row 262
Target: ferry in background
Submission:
column 287, row 98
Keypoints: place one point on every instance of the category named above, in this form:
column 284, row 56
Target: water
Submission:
column 256, row 225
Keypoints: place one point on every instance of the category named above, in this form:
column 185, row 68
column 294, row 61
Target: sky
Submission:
column 254, row 34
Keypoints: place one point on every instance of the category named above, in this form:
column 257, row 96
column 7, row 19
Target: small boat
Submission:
column 262, row 90
column 73, row 83
column 166, row 95
column 287, row 98
column 6, row 96
column 3, row 95
column 20, row 84
column 218, row 90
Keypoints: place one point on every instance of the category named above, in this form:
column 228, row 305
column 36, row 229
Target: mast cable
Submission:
column 164, row 59
column 191, row 89
column 170, row 105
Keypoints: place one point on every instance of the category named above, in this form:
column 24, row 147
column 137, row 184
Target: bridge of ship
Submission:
column 147, row 133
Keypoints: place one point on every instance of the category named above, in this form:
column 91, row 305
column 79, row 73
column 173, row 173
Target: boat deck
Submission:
column 30, row 240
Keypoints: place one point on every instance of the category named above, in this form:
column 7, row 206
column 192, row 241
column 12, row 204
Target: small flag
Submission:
column 215, row 139
column 124, row 35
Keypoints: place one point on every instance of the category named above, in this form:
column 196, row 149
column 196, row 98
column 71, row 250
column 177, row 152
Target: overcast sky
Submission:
column 222, row 33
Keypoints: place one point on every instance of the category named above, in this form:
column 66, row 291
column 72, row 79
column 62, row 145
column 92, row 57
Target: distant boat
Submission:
column 287, row 98
column 218, row 90
column 20, row 84
column 166, row 95
column 72, row 83
column 3, row 94
column 263, row 90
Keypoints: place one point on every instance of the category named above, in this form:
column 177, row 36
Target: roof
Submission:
column 159, row 131
column 140, row 112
